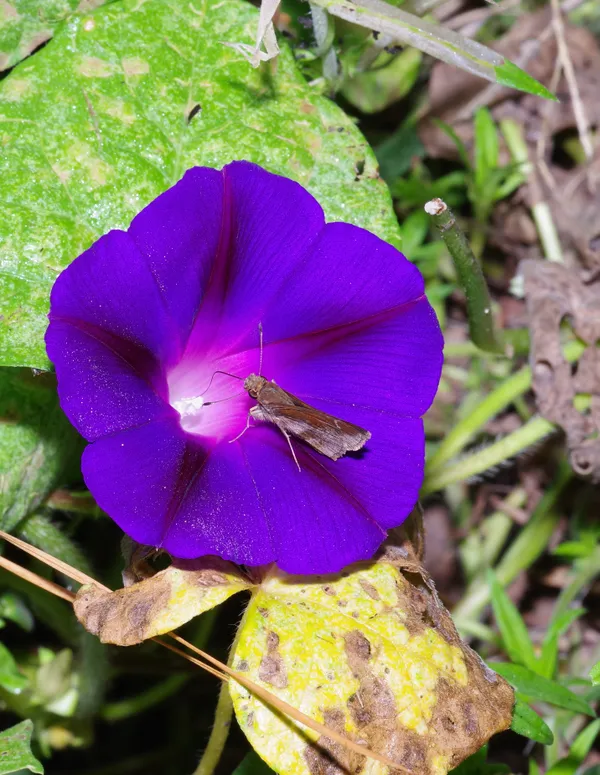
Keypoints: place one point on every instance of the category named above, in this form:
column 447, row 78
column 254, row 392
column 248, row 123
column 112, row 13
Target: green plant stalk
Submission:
column 39, row 530
column 470, row 277
column 523, row 552
column 495, row 454
column 218, row 736
column 542, row 215
column 516, row 385
column 117, row 711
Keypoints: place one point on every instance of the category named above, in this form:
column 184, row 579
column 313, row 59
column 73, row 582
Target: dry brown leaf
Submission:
column 157, row 604
column 554, row 292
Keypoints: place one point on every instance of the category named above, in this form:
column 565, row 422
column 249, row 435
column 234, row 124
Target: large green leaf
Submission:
column 15, row 753
column 26, row 24
column 37, row 444
column 113, row 111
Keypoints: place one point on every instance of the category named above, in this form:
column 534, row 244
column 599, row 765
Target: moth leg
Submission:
column 239, row 436
column 289, row 441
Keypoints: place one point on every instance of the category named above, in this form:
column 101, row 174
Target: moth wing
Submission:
column 327, row 434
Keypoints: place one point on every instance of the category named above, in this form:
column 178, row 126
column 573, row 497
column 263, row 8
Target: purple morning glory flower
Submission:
column 143, row 323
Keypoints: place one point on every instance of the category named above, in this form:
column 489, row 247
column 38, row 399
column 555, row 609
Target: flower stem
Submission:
column 470, row 277
column 218, row 736
column 524, row 551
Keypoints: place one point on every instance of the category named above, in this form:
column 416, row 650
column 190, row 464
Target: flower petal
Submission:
column 388, row 364
column 165, row 489
column 317, row 523
column 100, row 382
column 179, row 234
column 348, row 275
column 270, row 222
column 110, row 287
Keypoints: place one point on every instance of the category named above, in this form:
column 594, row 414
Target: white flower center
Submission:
column 188, row 406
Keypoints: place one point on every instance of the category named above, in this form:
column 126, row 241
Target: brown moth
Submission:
column 327, row 434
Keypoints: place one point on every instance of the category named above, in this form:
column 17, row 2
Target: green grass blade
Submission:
column 536, row 687
column 514, row 633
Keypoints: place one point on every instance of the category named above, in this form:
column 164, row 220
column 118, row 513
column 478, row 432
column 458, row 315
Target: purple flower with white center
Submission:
column 143, row 324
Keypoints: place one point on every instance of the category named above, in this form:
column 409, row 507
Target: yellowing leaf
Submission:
column 373, row 654
column 159, row 604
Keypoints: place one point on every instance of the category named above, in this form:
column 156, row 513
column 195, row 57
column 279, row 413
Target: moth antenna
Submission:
column 260, row 357
column 219, row 400
column 218, row 371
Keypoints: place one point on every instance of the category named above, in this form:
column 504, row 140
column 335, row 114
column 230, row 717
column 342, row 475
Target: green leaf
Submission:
column 396, row 152
column 558, row 625
column 13, row 607
column 526, row 722
column 578, row 751
column 11, row 678
column 252, row 764
column 26, row 24
column 371, row 653
column 508, row 74
column 15, row 750
column 99, row 122
column 512, row 627
column 542, row 689
column 486, row 146
column 595, row 674
column 377, row 89
column 37, row 444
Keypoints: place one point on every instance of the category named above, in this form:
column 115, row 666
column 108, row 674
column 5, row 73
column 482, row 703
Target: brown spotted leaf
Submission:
column 158, row 604
column 373, row 654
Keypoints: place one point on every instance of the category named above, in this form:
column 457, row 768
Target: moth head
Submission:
column 254, row 384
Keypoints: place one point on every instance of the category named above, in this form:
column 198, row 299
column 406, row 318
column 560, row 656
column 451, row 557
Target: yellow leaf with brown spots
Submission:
column 157, row 604
column 373, row 654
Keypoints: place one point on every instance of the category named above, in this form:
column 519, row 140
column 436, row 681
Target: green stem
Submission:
column 493, row 404
column 524, row 551
column 218, row 736
column 484, row 459
column 470, row 277
column 117, row 711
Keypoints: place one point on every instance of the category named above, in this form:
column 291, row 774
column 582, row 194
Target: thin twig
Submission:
column 39, row 581
column 583, row 126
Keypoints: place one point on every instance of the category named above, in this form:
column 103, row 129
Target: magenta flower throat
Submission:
column 143, row 323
